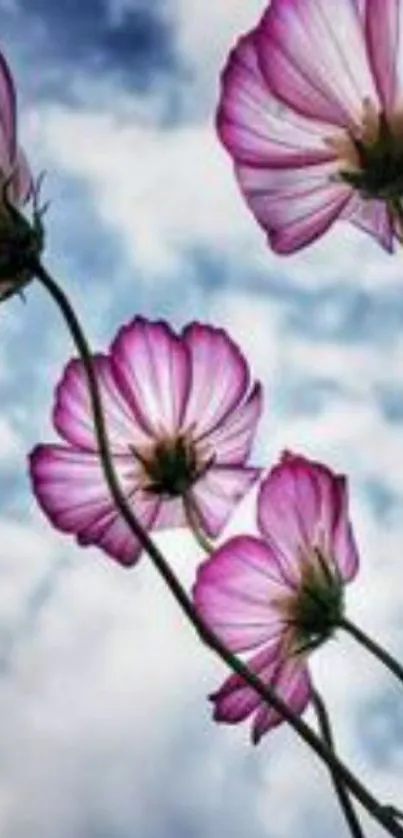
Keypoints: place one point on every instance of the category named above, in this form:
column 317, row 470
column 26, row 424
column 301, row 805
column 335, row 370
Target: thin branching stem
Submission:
column 339, row 787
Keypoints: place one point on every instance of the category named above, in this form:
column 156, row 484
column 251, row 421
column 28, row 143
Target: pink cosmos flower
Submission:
column 181, row 412
column 312, row 113
column 281, row 595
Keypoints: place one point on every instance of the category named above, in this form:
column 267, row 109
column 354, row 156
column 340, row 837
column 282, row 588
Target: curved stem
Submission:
column 372, row 646
column 207, row 636
column 194, row 524
column 339, row 787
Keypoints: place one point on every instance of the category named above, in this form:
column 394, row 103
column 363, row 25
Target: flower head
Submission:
column 19, row 239
column 312, row 114
column 181, row 413
column 281, row 595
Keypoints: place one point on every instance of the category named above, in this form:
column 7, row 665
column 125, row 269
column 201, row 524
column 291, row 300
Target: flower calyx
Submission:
column 318, row 606
column 21, row 240
column 172, row 467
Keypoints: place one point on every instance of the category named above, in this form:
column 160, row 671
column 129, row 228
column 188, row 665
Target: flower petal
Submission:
column 72, row 413
column 151, row 367
column 384, row 32
column 236, row 700
column 315, row 60
column 220, row 377
column 303, row 505
column 255, row 127
column 7, row 106
column 294, row 206
column 215, row 495
column 371, row 216
column 22, row 180
column 232, row 439
column 171, row 514
column 237, row 591
column 293, row 685
column 71, row 489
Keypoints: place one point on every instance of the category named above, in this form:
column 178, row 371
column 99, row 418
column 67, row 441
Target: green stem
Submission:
column 372, row 646
column 194, row 524
column 206, row 635
column 339, row 787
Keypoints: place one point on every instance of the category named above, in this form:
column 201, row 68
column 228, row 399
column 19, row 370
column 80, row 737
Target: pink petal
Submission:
column 171, row 514
column 315, row 60
column 255, row 127
column 238, row 590
column 384, row 40
column 7, row 106
column 294, row 206
column 151, row 366
column 22, row 181
column 72, row 491
column 219, row 378
column 72, row 413
column 232, row 439
column 235, row 700
column 344, row 548
column 303, row 505
column 293, row 685
column 215, row 495
column 371, row 216
column 288, row 513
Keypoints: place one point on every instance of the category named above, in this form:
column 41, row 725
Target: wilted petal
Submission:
column 151, row 366
column 293, row 685
column 231, row 441
column 72, row 413
column 219, row 377
column 255, row 127
column 22, row 180
column 7, row 106
column 215, row 495
column 294, row 206
column 237, row 592
column 315, row 60
column 70, row 487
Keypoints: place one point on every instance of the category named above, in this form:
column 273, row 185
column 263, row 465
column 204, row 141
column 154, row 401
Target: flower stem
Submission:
column 339, row 787
column 372, row 646
column 207, row 636
column 194, row 524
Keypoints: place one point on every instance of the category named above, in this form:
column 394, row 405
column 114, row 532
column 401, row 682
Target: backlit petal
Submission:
column 315, row 60
column 151, row 367
column 72, row 491
column 238, row 590
column 216, row 495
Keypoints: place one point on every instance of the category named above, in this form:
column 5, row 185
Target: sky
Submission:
column 105, row 728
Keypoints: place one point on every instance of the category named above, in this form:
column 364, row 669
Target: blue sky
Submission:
column 104, row 724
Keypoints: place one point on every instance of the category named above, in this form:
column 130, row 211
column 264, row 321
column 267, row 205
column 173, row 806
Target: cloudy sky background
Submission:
column 105, row 731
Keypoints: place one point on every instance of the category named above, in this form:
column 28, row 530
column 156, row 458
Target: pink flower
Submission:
column 281, row 595
column 312, row 113
column 181, row 413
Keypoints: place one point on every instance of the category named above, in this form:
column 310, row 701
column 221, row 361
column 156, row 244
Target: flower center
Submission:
column 172, row 466
column 317, row 608
column 371, row 160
